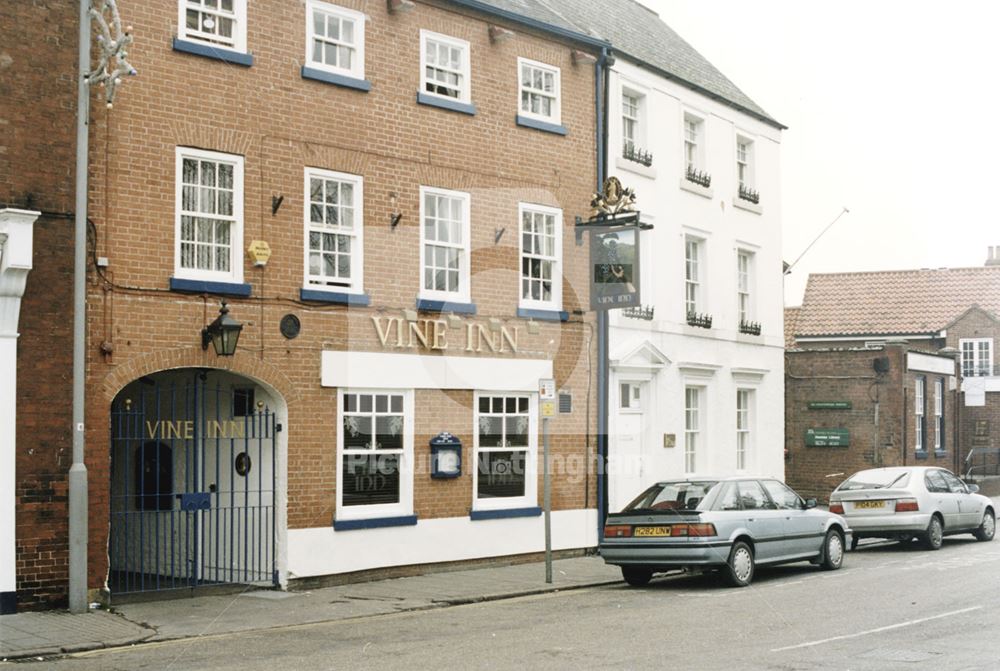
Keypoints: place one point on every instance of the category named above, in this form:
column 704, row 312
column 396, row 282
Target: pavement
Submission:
column 50, row 633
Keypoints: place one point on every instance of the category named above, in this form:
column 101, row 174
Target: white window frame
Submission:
column 974, row 359
column 530, row 498
column 356, row 282
column 556, row 301
column 693, row 423
column 695, row 158
column 465, row 90
column 630, row 401
column 556, row 117
column 938, row 412
column 744, row 427
column 746, row 158
column 357, row 69
column 638, row 139
column 238, row 15
column 745, row 285
column 919, row 399
column 235, row 273
column 463, row 294
column 693, row 281
column 405, row 505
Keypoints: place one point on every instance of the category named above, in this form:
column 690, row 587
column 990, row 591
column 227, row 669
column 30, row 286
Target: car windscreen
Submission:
column 881, row 478
column 677, row 496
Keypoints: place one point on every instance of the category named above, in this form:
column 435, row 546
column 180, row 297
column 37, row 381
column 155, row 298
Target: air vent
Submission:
column 565, row 402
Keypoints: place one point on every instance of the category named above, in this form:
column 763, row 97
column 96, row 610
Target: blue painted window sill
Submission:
column 543, row 315
column 208, row 51
column 541, row 125
column 446, row 103
column 426, row 305
column 334, row 297
column 206, row 287
column 921, row 454
column 940, row 453
column 375, row 523
column 335, row 79
column 504, row 514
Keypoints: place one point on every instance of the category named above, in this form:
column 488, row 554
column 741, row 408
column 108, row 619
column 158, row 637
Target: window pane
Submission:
column 501, row 474
column 370, row 479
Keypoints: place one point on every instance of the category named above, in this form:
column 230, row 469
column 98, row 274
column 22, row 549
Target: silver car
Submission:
column 730, row 524
column 913, row 502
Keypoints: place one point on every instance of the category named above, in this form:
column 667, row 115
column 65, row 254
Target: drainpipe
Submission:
column 78, row 470
column 601, row 78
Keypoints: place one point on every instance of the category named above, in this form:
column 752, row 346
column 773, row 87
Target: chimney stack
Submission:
column 993, row 255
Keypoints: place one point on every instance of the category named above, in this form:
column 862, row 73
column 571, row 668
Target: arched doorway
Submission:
column 194, row 460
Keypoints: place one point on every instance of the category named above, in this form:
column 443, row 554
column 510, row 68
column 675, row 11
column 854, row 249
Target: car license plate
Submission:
column 868, row 505
column 651, row 531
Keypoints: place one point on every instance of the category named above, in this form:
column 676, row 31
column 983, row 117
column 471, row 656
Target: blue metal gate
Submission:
column 192, row 485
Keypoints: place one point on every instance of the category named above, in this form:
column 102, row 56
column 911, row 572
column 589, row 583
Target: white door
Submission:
column 625, row 447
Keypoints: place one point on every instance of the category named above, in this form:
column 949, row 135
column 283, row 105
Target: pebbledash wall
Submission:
column 262, row 123
column 863, row 407
column 37, row 115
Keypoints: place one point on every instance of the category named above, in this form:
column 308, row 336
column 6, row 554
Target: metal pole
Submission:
column 547, row 496
column 78, row 471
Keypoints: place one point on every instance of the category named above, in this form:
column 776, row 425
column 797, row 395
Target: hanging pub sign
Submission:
column 614, row 247
column 614, row 255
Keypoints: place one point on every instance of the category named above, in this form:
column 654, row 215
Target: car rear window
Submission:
column 876, row 479
column 673, row 496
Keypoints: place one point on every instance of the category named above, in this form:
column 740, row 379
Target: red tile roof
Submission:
column 899, row 302
column 791, row 319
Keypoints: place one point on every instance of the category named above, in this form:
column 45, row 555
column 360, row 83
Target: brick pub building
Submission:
column 406, row 176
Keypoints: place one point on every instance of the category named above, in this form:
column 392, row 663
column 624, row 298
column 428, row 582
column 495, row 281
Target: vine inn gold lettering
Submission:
column 433, row 334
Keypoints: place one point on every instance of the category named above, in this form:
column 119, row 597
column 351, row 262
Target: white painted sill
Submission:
column 697, row 189
column 747, row 205
column 638, row 168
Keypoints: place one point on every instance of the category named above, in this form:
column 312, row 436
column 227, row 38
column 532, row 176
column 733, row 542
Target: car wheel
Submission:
column 740, row 566
column 636, row 577
column 987, row 528
column 934, row 536
column 833, row 551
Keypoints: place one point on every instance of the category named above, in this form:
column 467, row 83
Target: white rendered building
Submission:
column 698, row 387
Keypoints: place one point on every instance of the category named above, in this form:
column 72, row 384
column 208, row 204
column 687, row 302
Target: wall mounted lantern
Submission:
column 223, row 333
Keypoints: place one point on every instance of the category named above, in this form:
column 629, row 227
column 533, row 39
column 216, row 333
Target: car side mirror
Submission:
column 972, row 489
column 810, row 503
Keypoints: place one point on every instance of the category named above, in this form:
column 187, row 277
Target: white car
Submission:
column 913, row 502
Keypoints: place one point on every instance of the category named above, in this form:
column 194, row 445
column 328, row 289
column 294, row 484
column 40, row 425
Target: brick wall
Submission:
column 979, row 426
column 282, row 123
column 37, row 150
column 848, row 375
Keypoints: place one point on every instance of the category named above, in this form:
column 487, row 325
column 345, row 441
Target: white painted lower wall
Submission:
column 323, row 551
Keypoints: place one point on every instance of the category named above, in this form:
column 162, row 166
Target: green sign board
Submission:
column 829, row 405
column 827, row 437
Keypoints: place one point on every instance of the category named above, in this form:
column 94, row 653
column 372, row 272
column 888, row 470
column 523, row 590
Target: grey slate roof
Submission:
column 638, row 33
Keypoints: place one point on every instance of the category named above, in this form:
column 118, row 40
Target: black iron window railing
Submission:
column 750, row 328
column 702, row 321
column 748, row 194
column 640, row 312
column 633, row 153
column 698, row 177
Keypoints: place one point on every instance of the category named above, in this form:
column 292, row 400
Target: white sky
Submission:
column 892, row 109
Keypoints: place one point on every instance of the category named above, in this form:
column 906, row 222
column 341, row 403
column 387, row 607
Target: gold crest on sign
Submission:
column 616, row 199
